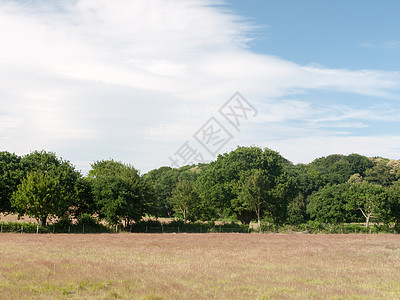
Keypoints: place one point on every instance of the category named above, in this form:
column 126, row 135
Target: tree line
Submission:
column 247, row 184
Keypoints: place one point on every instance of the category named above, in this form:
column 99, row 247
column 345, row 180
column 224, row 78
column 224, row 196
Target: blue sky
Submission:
column 357, row 34
column 145, row 81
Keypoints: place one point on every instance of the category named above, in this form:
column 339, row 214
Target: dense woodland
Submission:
column 247, row 184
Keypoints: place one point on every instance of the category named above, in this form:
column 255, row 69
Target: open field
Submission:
column 199, row 266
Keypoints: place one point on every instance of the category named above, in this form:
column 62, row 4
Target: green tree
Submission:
column 83, row 203
column 40, row 196
column 367, row 198
column 252, row 194
column 11, row 175
column 119, row 192
column 391, row 207
column 223, row 183
column 279, row 198
column 381, row 174
column 306, row 181
column 264, row 195
column 331, row 204
column 48, row 162
column 185, row 199
column 164, row 180
column 338, row 168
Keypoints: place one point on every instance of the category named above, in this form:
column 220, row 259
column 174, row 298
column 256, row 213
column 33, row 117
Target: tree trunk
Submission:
column 245, row 217
column 366, row 216
column 367, row 221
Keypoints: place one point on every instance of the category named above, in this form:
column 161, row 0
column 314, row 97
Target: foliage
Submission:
column 337, row 168
column 243, row 185
column 40, row 196
column 224, row 184
column 185, row 199
column 164, row 180
column 380, row 174
column 331, row 205
column 390, row 209
column 367, row 198
column 119, row 192
column 62, row 170
column 11, row 175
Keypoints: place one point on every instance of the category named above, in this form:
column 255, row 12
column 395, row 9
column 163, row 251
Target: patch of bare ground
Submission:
column 15, row 218
column 199, row 266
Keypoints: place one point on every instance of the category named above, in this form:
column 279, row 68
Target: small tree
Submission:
column 252, row 193
column 39, row 196
column 184, row 198
column 367, row 198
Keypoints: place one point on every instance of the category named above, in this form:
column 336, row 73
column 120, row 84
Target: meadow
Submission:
column 199, row 266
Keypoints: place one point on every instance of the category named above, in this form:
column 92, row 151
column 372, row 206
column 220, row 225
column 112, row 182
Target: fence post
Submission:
column 162, row 228
column 178, row 229
column 22, row 229
column 37, row 229
column 146, row 229
column 200, row 230
column 219, row 229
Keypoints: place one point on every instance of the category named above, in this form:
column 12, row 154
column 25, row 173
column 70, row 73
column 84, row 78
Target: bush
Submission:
column 87, row 220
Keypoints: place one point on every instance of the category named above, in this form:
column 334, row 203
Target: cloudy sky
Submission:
column 149, row 82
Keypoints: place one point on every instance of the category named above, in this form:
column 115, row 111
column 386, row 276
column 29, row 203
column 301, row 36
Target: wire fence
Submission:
column 15, row 227
column 82, row 229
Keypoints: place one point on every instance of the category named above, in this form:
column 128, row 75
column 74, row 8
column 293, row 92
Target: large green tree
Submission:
column 120, row 192
column 48, row 162
column 49, row 172
column 40, row 196
column 233, row 183
column 331, row 204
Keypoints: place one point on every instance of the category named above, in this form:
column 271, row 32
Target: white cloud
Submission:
column 392, row 45
column 306, row 149
column 367, row 45
column 95, row 79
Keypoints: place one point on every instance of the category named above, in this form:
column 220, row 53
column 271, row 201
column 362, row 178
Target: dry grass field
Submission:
column 199, row 266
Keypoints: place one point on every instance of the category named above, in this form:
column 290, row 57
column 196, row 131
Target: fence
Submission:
column 13, row 227
column 193, row 229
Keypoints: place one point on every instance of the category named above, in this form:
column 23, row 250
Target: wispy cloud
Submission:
column 92, row 79
column 394, row 44
column 367, row 45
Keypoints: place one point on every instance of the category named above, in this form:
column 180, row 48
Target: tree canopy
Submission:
column 246, row 184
